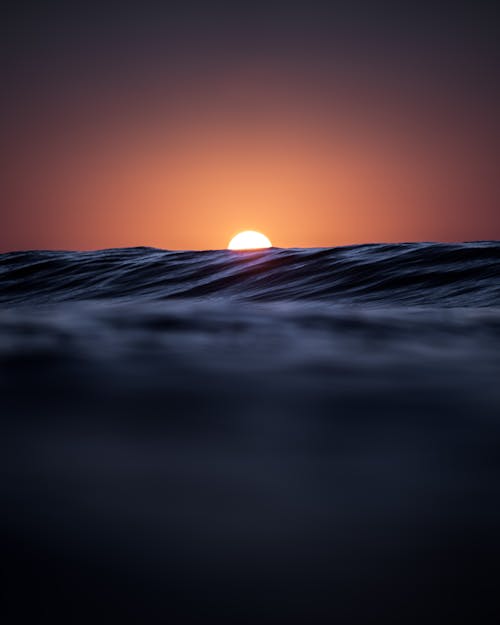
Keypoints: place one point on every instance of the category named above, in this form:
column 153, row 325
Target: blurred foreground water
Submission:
column 288, row 436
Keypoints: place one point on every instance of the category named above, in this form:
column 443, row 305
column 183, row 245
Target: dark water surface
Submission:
column 283, row 436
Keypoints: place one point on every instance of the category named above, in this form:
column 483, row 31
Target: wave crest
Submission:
column 462, row 274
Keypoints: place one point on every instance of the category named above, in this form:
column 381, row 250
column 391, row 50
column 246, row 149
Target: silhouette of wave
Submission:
column 462, row 274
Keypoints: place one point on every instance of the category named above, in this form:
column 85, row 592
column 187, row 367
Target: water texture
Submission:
column 465, row 274
column 283, row 436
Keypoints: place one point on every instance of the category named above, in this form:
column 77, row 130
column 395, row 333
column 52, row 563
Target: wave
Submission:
column 171, row 460
column 460, row 274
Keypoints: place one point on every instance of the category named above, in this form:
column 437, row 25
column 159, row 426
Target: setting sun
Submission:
column 249, row 240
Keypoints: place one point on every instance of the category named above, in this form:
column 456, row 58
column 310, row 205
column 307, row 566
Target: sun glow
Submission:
column 249, row 240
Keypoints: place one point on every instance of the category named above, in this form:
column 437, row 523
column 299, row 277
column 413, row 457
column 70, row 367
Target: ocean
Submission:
column 296, row 436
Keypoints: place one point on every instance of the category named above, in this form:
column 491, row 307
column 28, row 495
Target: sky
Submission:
column 179, row 124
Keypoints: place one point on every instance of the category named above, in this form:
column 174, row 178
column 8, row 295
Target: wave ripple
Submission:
column 462, row 274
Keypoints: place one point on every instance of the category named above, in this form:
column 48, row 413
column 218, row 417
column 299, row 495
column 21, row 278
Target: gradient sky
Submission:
column 178, row 125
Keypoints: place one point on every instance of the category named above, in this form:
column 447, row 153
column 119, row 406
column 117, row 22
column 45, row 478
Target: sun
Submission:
column 249, row 240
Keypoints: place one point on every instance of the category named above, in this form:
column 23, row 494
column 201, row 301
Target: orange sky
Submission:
column 310, row 156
